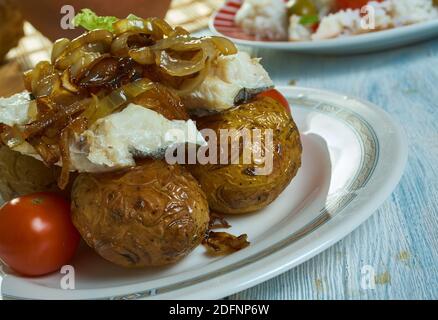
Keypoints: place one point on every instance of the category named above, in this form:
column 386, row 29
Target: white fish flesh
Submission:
column 232, row 80
column 111, row 142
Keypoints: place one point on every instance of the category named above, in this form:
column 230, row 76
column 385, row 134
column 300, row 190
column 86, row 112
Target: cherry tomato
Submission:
column 36, row 233
column 276, row 95
column 351, row 4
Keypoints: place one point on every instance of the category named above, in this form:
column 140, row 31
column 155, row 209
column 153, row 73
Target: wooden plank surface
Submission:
column 400, row 241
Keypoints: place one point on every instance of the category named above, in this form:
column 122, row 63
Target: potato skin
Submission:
column 233, row 188
column 21, row 174
column 149, row 215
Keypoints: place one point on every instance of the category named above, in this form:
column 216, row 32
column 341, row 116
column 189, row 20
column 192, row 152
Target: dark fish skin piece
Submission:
column 246, row 94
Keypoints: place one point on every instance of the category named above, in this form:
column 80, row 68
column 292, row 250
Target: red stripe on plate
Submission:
column 234, row 4
column 226, row 11
column 224, row 17
column 231, row 9
column 223, row 23
column 226, row 29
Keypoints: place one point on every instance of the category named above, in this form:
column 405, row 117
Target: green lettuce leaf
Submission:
column 88, row 20
column 309, row 20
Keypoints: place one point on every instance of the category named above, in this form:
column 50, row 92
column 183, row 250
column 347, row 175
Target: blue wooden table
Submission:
column 400, row 241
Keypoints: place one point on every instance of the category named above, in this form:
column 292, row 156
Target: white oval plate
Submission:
column 222, row 23
column 353, row 157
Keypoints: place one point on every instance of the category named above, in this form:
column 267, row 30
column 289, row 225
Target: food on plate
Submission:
column 276, row 95
column 222, row 243
column 11, row 27
column 135, row 132
column 152, row 214
column 36, row 234
column 326, row 19
column 106, row 119
column 21, row 174
column 264, row 19
column 351, row 4
column 237, row 188
column 233, row 79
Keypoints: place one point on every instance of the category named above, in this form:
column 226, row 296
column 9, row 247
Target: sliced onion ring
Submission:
column 155, row 27
column 180, row 68
column 96, row 36
column 143, row 55
column 191, row 84
column 112, row 102
column 58, row 48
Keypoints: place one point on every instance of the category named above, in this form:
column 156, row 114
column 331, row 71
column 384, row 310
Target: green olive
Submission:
column 302, row 8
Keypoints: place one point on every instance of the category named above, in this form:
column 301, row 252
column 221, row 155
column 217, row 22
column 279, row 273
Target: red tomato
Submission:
column 276, row 95
column 351, row 4
column 36, row 233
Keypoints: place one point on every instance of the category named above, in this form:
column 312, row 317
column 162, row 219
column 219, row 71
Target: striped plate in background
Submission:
column 223, row 21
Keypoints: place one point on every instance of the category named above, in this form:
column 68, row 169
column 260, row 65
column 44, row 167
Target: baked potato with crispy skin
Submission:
column 21, row 174
column 149, row 215
column 236, row 188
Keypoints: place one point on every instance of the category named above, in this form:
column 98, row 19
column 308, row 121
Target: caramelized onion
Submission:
column 102, row 37
column 11, row 136
column 100, row 72
column 155, row 27
column 36, row 127
column 64, row 148
column 116, row 99
column 78, row 61
column 143, row 55
column 58, row 48
column 66, row 82
column 179, row 31
column 191, row 84
column 222, row 243
column 179, row 67
column 180, row 43
column 224, row 45
column 48, row 152
column 217, row 222
column 119, row 47
column 43, row 79
column 77, row 126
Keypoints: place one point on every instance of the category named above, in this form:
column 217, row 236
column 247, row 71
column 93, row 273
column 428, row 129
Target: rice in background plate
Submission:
column 264, row 19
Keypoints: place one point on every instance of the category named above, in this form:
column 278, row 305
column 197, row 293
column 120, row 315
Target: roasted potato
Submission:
column 237, row 188
column 20, row 175
column 149, row 215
